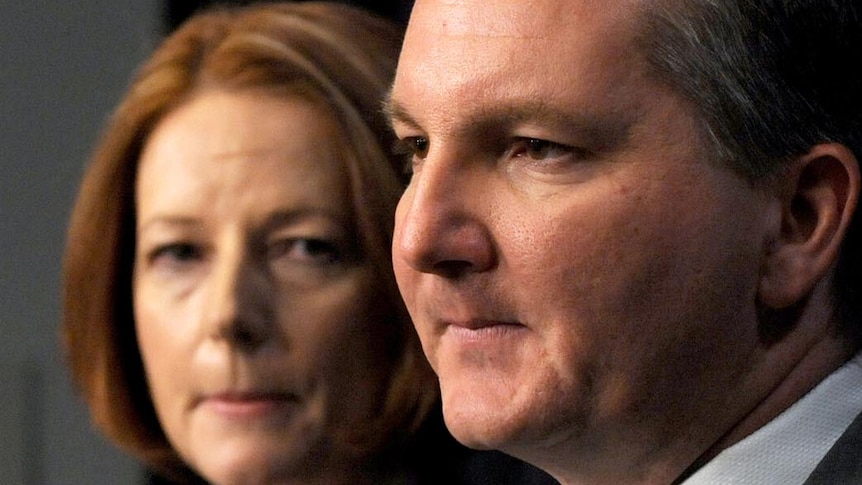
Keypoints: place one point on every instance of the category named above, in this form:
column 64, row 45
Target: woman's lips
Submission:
column 248, row 404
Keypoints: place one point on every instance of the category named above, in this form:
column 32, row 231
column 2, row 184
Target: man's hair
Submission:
column 769, row 79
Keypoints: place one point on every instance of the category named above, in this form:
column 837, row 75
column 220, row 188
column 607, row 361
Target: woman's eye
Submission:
column 176, row 253
column 305, row 250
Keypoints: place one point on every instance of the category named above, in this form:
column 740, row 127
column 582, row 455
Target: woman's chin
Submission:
column 251, row 462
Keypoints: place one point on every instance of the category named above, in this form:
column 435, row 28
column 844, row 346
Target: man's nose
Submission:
column 441, row 221
column 237, row 308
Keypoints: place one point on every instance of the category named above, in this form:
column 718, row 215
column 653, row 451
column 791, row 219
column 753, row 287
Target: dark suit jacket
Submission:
column 842, row 465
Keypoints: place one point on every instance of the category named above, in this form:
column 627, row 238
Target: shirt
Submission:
column 787, row 449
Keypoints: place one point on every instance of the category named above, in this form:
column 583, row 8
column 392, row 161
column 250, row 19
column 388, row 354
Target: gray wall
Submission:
column 63, row 65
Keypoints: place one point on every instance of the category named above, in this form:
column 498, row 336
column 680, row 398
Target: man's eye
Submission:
column 419, row 145
column 305, row 250
column 538, row 149
column 416, row 146
column 413, row 149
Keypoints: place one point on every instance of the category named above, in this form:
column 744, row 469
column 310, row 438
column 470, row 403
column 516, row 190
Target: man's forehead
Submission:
column 469, row 18
column 492, row 42
column 471, row 35
column 505, row 18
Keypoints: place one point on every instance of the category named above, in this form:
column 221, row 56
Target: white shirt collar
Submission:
column 787, row 449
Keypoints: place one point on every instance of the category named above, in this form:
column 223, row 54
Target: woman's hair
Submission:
column 333, row 54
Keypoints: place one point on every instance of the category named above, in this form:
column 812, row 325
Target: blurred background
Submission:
column 63, row 66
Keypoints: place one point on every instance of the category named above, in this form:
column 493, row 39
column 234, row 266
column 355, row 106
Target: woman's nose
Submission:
column 238, row 311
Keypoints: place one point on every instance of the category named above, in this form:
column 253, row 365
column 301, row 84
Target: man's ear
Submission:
column 819, row 194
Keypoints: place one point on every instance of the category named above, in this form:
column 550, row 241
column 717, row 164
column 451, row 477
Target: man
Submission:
column 629, row 244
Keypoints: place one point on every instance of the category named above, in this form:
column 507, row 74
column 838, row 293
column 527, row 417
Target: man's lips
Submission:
column 477, row 330
column 480, row 323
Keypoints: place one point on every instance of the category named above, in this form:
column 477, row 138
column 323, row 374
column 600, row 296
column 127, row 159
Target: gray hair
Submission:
column 769, row 79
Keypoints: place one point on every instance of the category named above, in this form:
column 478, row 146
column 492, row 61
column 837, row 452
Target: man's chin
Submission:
column 481, row 425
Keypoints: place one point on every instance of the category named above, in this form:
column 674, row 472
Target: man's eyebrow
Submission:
column 395, row 111
column 603, row 131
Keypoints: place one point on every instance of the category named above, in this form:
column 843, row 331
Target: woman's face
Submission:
column 254, row 307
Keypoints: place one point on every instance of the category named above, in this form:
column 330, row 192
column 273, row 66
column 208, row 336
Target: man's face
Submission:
column 582, row 279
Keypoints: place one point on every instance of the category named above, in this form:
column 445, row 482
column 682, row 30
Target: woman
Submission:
column 230, row 311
